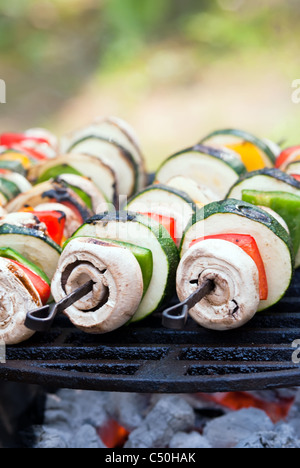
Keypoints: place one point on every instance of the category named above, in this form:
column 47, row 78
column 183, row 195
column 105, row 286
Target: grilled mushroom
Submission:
column 118, row 287
column 235, row 298
column 17, row 297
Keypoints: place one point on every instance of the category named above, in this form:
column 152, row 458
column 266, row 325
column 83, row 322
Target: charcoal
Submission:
column 191, row 440
column 86, row 437
column 128, row 409
column 227, row 431
column 71, row 419
column 170, row 415
column 48, row 437
column 282, row 437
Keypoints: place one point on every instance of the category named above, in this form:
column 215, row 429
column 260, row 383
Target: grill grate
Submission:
column 149, row 358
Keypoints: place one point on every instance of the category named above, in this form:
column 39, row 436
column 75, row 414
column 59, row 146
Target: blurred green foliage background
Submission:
column 174, row 69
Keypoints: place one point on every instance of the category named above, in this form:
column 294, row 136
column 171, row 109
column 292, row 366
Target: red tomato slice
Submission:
column 248, row 244
column 285, row 154
column 167, row 222
column 296, row 176
column 40, row 285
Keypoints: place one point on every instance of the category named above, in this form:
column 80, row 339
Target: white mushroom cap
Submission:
column 235, row 298
column 18, row 296
column 118, row 287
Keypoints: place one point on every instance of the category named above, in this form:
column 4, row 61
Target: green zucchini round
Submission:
column 144, row 232
column 34, row 245
column 166, row 201
column 238, row 217
column 220, row 137
column 215, row 168
column 268, row 180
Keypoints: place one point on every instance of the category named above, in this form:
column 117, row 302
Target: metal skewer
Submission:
column 176, row 317
column 41, row 319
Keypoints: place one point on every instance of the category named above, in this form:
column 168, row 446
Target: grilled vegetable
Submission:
column 13, row 166
column 163, row 200
column 72, row 221
column 287, row 156
column 54, row 221
column 144, row 232
column 200, row 194
column 24, row 219
column 87, row 191
column 217, row 169
column 248, row 244
column 293, row 169
column 118, row 283
column 33, row 244
column 270, row 180
column 42, row 288
column 17, row 156
column 18, row 296
column 51, row 191
column 287, row 205
column 273, row 241
column 114, row 155
column 235, row 298
column 55, row 171
column 19, row 180
column 91, row 167
column 254, row 152
column 117, row 131
column 9, row 189
column 7, row 252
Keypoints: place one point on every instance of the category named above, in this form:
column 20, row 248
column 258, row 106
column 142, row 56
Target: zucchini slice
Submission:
column 114, row 155
column 254, row 152
column 14, row 166
column 33, row 245
column 87, row 191
column 287, row 205
column 268, row 180
column 200, row 194
column 19, row 180
column 166, row 201
column 215, row 168
column 7, row 252
column 91, row 167
column 144, row 232
column 9, row 189
column 48, row 192
column 293, row 168
column 273, row 241
column 116, row 130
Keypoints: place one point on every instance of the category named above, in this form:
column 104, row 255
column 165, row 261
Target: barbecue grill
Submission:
column 148, row 357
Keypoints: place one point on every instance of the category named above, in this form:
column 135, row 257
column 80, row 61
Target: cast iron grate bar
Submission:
column 147, row 357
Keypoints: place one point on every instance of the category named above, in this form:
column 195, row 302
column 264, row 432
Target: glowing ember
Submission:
column 277, row 409
column 112, row 434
